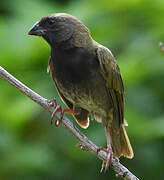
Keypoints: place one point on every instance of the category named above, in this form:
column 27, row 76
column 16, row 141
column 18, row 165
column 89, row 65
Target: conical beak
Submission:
column 37, row 30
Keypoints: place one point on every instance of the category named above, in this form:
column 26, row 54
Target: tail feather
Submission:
column 81, row 117
column 120, row 143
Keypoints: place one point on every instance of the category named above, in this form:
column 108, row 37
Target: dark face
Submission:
column 54, row 28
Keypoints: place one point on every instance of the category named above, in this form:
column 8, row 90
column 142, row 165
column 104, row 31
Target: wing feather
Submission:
column 111, row 73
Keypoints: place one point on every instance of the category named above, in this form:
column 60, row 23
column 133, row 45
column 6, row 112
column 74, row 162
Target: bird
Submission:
column 87, row 78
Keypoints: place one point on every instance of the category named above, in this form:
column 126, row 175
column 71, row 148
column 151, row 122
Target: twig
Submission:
column 161, row 46
column 85, row 143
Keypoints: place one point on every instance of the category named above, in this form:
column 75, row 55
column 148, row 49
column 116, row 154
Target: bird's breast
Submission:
column 78, row 79
column 73, row 66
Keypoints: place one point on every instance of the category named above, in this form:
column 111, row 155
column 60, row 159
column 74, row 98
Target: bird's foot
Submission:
column 62, row 110
column 109, row 154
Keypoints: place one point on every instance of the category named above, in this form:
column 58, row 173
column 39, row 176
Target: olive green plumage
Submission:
column 86, row 76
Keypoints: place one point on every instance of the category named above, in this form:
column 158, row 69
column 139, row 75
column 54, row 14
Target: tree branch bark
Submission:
column 85, row 143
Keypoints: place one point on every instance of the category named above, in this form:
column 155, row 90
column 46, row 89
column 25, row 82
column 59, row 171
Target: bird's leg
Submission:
column 108, row 151
column 62, row 110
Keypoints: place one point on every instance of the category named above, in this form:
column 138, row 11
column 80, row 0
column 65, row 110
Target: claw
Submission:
column 57, row 108
column 101, row 148
column 109, row 152
column 62, row 110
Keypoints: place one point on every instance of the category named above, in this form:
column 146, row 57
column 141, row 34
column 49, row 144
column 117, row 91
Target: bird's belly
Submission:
column 89, row 94
column 82, row 84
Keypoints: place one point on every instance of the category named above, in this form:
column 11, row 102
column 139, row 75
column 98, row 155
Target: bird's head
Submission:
column 61, row 27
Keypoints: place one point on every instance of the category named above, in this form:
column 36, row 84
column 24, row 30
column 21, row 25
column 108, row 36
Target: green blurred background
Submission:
column 30, row 148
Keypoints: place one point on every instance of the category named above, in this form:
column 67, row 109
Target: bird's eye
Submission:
column 51, row 22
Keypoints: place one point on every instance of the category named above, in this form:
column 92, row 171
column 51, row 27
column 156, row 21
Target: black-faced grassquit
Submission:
column 87, row 78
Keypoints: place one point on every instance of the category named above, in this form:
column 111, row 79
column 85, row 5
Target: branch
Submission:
column 161, row 46
column 85, row 143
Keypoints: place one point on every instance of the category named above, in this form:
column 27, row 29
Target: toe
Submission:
column 103, row 166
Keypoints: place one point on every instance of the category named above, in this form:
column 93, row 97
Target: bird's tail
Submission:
column 120, row 143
